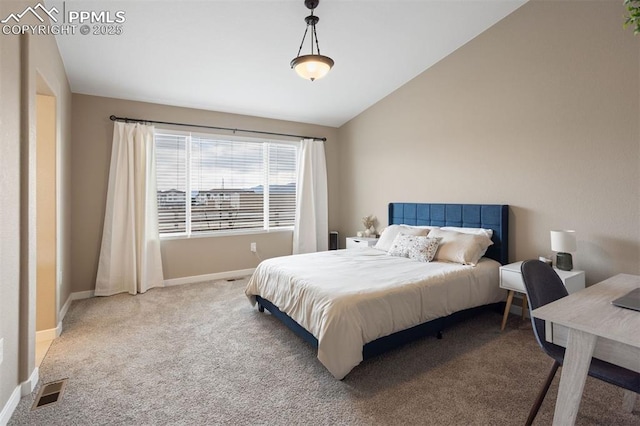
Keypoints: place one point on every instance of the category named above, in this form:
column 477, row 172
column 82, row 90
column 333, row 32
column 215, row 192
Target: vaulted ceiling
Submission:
column 233, row 56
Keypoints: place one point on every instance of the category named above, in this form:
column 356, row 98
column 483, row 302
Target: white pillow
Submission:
column 391, row 232
column 474, row 231
column 460, row 248
column 427, row 227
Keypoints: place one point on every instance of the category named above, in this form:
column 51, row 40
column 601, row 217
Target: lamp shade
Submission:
column 312, row 67
column 563, row 241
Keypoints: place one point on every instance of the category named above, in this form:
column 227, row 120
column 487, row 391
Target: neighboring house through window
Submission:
column 233, row 185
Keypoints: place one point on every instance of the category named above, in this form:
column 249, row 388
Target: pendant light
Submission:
column 315, row 65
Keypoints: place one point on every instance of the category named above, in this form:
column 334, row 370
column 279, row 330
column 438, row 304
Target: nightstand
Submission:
column 511, row 279
column 353, row 242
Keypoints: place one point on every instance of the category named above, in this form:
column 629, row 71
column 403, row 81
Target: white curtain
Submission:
column 311, row 231
column 130, row 258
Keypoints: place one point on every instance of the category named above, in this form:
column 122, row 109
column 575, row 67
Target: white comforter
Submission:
column 347, row 298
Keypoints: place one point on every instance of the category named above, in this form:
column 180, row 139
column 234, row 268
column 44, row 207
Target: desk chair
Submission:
column 544, row 286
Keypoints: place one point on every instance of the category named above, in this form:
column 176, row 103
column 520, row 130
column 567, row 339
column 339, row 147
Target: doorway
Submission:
column 46, row 220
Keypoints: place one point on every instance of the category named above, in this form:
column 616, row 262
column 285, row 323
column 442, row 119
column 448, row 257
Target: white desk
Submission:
column 589, row 325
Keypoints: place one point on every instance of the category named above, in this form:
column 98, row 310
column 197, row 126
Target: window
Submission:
column 234, row 185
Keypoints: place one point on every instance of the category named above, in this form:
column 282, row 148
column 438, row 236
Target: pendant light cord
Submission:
column 302, row 42
column 316, row 37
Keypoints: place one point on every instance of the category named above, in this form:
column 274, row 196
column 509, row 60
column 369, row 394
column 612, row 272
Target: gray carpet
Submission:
column 200, row 354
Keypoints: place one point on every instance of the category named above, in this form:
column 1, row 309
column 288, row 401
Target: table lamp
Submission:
column 563, row 242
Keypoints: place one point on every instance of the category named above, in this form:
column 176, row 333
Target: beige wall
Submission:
column 206, row 255
column 10, row 212
column 46, row 212
column 22, row 58
column 539, row 112
column 92, row 135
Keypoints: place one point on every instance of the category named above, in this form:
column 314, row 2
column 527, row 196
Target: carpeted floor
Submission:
column 200, row 354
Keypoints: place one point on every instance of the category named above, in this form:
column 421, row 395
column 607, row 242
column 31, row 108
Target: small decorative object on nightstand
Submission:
column 563, row 242
column 369, row 223
column 353, row 242
column 511, row 279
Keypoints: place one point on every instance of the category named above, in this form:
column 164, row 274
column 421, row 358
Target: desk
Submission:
column 589, row 325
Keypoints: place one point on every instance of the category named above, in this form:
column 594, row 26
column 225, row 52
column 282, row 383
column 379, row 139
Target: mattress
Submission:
column 347, row 298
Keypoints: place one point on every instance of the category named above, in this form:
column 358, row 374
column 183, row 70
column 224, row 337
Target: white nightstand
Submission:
column 511, row 279
column 353, row 242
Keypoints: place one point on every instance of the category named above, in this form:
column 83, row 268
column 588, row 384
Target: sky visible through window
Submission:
column 219, row 164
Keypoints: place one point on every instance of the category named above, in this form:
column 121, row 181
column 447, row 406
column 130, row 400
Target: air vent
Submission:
column 49, row 393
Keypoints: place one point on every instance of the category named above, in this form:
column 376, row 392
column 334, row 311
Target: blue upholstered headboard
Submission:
column 488, row 216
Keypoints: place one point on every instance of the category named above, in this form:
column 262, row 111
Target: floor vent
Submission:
column 49, row 393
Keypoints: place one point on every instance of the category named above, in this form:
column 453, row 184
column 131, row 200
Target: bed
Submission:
column 354, row 304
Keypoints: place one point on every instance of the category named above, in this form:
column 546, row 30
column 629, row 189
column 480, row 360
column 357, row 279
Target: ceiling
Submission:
column 233, row 56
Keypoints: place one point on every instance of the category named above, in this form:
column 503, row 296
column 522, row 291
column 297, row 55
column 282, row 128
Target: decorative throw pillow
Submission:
column 460, row 248
column 390, row 233
column 424, row 249
column 402, row 245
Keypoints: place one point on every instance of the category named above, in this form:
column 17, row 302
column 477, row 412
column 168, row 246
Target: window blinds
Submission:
column 233, row 185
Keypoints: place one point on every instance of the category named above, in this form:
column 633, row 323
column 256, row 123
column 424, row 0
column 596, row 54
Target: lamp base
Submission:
column 564, row 261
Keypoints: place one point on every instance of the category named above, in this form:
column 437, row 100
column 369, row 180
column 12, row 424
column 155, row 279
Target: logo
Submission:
column 34, row 12
column 87, row 22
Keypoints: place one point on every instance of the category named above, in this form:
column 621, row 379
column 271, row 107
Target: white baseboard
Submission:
column 49, row 334
column 208, row 277
column 10, row 406
column 23, row 389
column 28, row 386
column 79, row 295
column 53, row 333
column 65, row 308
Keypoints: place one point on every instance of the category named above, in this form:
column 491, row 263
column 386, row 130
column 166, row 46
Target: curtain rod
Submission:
column 137, row 120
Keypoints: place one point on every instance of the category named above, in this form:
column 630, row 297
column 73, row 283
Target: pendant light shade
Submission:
column 314, row 65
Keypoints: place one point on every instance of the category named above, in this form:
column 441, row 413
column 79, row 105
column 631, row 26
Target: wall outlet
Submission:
column 1, row 350
column 254, row 248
